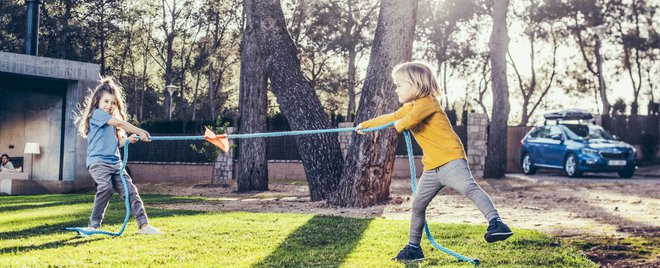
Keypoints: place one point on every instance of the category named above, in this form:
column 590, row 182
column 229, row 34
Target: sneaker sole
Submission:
column 408, row 261
column 494, row 237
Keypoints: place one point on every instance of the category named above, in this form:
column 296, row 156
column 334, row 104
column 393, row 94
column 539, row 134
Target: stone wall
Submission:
column 224, row 165
column 476, row 148
column 345, row 138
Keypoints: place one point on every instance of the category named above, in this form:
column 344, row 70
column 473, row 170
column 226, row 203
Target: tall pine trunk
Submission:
column 351, row 84
column 495, row 166
column 321, row 155
column 367, row 173
column 252, row 162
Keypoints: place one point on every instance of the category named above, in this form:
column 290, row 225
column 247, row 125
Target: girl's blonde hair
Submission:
column 422, row 77
column 107, row 85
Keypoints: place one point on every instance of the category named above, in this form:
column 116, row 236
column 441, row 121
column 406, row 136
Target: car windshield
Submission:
column 590, row 131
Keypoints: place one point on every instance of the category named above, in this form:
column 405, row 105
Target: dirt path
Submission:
column 566, row 208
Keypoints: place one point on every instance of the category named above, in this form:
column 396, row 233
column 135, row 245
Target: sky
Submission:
column 619, row 86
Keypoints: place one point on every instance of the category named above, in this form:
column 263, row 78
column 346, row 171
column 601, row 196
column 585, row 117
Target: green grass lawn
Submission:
column 32, row 235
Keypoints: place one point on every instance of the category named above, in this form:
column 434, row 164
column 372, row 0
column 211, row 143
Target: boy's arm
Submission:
column 383, row 119
column 378, row 121
column 422, row 109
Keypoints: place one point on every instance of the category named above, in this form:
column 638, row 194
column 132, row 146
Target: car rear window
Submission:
column 579, row 130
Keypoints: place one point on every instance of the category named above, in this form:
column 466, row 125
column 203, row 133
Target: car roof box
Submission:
column 572, row 114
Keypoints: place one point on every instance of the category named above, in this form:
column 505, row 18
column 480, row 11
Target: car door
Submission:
column 555, row 146
column 538, row 142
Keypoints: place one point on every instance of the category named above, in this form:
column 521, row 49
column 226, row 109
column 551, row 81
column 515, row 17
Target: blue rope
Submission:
column 411, row 160
column 266, row 135
column 82, row 231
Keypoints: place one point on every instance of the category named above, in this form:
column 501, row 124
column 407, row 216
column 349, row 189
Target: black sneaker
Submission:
column 409, row 253
column 497, row 231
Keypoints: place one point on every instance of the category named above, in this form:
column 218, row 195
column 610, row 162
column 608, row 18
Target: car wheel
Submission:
column 628, row 173
column 571, row 166
column 526, row 165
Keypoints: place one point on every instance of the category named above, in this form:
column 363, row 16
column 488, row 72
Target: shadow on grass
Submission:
column 74, row 241
column 36, row 206
column 323, row 240
column 46, row 229
column 115, row 218
column 14, row 203
column 10, row 201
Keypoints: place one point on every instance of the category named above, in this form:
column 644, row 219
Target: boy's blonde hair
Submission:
column 108, row 85
column 421, row 75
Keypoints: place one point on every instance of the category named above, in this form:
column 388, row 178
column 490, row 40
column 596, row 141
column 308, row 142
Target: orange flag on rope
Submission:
column 218, row 140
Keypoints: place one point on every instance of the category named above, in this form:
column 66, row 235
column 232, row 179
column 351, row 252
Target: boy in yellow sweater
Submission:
column 444, row 159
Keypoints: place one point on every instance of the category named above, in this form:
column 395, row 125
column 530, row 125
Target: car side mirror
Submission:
column 615, row 137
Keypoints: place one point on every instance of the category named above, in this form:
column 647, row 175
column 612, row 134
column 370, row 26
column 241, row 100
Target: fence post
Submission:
column 224, row 163
column 477, row 127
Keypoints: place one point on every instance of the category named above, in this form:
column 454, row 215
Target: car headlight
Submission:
column 634, row 150
column 588, row 151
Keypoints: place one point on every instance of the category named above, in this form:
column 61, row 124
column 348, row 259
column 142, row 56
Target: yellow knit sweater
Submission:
column 430, row 127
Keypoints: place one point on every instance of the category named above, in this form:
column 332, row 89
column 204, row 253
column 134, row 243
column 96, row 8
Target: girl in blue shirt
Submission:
column 102, row 122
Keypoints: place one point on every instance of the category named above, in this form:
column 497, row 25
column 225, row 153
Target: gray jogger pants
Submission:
column 108, row 181
column 455, row 174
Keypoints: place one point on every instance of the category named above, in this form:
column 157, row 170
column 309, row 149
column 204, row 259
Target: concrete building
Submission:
column 38, row 97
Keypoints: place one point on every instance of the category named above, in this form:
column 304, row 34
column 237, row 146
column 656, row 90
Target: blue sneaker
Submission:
column 497, row 231
column 410, row 253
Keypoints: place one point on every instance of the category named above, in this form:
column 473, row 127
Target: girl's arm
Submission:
column 144, row 135
column 122, row 140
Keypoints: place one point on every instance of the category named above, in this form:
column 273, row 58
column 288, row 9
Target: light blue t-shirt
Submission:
column 102, row 143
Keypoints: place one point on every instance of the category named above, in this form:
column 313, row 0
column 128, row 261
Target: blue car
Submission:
column 575, row 145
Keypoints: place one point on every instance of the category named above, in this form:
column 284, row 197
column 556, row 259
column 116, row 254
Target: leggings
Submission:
column 108, row 181
column 455, row 174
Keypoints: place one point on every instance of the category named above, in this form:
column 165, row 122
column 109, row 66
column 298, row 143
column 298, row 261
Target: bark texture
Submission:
column 495, row 166
column 299, row 103
column 252, row 162
column 367, row 173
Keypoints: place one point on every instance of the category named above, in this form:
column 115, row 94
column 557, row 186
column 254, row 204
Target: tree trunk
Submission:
column 367, row 172
column 601, row 79
column 605, row 119
column 495, row 166
column 211, row 92
column 195, row 94
column 350, row 117
column 68, row 50
column 253, row 103
column 145, row 65
column 102, row 38
column 170, row 35
column 321, row 155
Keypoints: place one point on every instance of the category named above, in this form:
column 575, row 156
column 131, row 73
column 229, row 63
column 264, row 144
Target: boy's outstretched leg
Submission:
column 497, row 231
column 410, row 253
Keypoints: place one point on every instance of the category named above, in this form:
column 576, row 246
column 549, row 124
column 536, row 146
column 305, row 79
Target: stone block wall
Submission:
column 224, row 165
column 476, row 148
column 345, row 137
